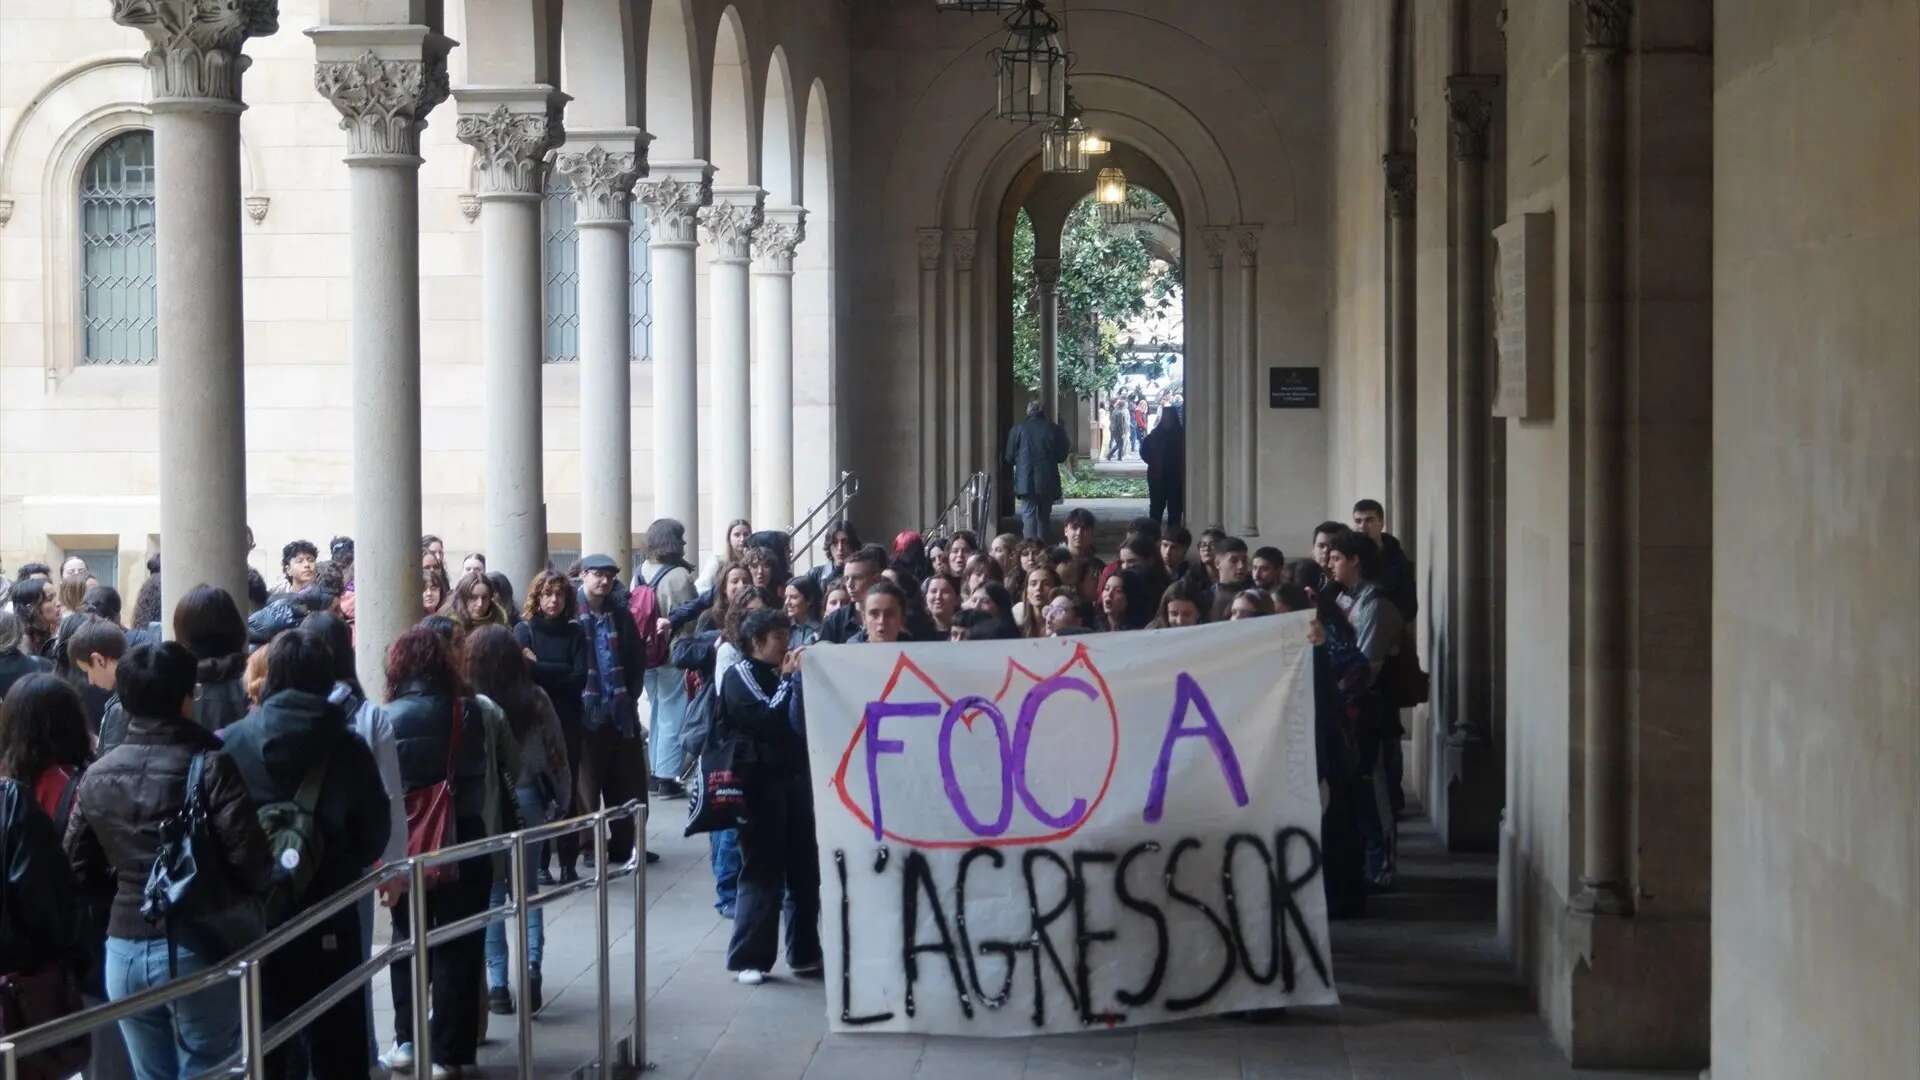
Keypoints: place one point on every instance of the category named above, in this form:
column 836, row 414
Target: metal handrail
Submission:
column 971, row 508
column 832, row 507
column 257, row 1039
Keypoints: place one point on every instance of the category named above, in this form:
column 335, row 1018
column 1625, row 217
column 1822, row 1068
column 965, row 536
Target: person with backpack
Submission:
column 665, row 582
column 327, row 819
column 114, row 834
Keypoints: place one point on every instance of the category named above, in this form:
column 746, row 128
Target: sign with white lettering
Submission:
column 1021, row 837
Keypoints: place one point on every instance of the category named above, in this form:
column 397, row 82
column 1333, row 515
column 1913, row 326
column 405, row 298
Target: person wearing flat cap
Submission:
column 613, row 760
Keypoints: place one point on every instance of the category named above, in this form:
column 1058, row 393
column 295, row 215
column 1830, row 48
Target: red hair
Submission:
column 420, row 655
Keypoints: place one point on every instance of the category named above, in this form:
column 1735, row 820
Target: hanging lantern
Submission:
column 1093, row 144
column 1110, row 191
column 1031, row 69
column 1063, row 148
column 975, row 5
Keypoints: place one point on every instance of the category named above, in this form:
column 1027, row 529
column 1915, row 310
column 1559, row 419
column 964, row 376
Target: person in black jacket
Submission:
column 1165, row 452
column 861, row 569
column 16, row 660
column 779, row 860
column 613, row 759
column 210, row 625
column 1035, row 448
column 43, row 926
column 297, row 734
column 556, row 644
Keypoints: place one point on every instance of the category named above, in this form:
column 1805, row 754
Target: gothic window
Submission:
column 560, row 278
column 117, row 305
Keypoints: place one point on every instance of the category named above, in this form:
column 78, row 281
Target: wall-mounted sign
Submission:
column 1523, row 326
column 1293, row 388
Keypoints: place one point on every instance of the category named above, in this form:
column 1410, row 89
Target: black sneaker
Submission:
column 653, row 785
column 652, row 857
column 672, row 789
column 535, row 999
column 500, row 1001
column 543, row 878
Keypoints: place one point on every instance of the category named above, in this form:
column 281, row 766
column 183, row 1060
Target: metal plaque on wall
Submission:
column 1293, row 387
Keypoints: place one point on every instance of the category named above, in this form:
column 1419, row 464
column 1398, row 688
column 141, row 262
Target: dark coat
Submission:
column 633, row 655
column 220, row 697
column 1165, row 451
column 757, row 703
column 422, row 734
column 1035, row 448
column 43, row 923
column 839, row 627
column 17, row 664
column 123, row 798
column 274, row 747
column 561, row 659
column 1396, row 581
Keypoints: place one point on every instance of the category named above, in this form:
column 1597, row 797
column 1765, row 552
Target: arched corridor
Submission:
column 1606, row 308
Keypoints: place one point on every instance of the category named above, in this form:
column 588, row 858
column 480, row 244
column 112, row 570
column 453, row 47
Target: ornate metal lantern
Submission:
column 975, row 5
column 1110, row 191
column 1064, row 147
column 1093, row 144
column 1031, row 68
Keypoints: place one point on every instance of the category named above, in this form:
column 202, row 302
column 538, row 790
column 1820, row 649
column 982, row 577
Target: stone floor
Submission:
column 1426, row 995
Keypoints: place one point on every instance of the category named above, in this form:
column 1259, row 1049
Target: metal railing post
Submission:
column 640, row 815
column 523, row 966
column 417, row 922
column 9, row 1062
column 601, row 826
column 253, row 1043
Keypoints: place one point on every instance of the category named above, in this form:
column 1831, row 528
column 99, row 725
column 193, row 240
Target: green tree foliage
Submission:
column 1107, row 280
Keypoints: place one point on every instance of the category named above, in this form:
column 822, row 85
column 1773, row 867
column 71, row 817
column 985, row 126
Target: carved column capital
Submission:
column 730, row 221
column 1607, row 23
column 673, row 195
column 510, row 132
column 1047, row 273
column 930, row 242
column 1214, row 240
column 1401, row 178
column 1247, row 239
column 1470, row 114
column 384, row 99
column 781, row 230
column 194, row 51
column 601, row 167
column 966, row 243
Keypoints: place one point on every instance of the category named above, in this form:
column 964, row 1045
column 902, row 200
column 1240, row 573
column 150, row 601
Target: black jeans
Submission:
column 779, row 870
column 611, row 769
column 455, row 969
column 1168, row 499
column 334, row 1044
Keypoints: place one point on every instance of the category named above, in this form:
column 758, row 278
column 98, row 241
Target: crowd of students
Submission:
column 110, row 737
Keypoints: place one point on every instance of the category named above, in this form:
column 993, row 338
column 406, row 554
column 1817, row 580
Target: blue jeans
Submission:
column 667, row 697
column 1036, row 521
column 186, row 1038
column 533, row 813
column 723, row 849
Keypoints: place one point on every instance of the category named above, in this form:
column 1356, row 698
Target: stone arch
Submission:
column 675, row 101
column 780, row 168
column 815, row 322
column 513, row 42
column 731, row 120
column 598, row 68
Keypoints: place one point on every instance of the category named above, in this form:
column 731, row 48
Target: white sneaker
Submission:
column 446, row 1072
column 399, row 1058
column 750, row 977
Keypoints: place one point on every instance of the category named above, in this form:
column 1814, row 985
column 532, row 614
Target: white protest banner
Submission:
column 1026, row 837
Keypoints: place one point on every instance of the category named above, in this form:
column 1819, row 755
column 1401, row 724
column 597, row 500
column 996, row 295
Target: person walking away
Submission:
column 113, row 835
column 499, row 670
column 1035, row 449
column 444, row 736
column 299, row 750
column 779, row 862
column 1353, row 562
column 555, row 643
column 612, row 753
column 1165, row 452
column 209, row 624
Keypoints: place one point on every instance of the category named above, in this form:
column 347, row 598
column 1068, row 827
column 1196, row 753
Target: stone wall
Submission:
column 1816, row 503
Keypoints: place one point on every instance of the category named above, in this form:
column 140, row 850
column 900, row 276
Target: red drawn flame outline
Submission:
column 904, row 665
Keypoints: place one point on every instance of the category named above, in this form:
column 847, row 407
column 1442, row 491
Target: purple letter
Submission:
column 1023, row 732
column 876, row 711
column 1187, row 694
column 954, row 794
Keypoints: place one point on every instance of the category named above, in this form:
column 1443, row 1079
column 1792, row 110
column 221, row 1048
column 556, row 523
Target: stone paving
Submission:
column 1426, row 994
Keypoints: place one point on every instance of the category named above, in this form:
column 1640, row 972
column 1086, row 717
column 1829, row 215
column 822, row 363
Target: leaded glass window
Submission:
column 117, row 305
column 560, row 279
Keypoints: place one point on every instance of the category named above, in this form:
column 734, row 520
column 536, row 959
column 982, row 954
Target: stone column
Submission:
column 1247, row 239
column 1402, row 356
column 384, row 80
column 972, row 401
column 672, row 195
column 730, row 222
column 1605, row 565
column 1470, row 114
column 511, row 129
column 1046, row 275
column 773, row 246
column 929, row 243
column 195, row 77
column 601, row 167
column 1213, row 419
